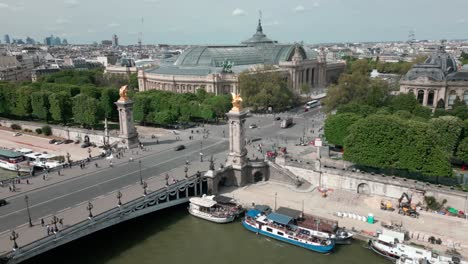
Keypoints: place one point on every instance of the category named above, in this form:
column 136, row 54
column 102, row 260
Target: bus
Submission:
column 312, row 104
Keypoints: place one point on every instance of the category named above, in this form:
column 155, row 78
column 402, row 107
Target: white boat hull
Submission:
column 219, row 220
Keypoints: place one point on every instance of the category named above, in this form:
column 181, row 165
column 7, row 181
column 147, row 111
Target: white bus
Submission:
column 312, row 104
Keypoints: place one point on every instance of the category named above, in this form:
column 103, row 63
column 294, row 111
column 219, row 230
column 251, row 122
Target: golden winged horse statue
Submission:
column 236, row 102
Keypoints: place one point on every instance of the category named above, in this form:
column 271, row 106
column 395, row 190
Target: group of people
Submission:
column 52, row 227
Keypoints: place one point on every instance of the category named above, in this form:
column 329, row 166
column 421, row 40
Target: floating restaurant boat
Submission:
column 390, row 245
column 207, row 208
column 281, row 227
column 13, row 161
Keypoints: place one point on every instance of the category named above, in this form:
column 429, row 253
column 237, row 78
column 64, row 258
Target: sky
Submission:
column 232, row 21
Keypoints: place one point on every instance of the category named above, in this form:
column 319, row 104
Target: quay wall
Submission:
column 72, row 133
column 381, row 185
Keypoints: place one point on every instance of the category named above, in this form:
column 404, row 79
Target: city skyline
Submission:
column 211, row 22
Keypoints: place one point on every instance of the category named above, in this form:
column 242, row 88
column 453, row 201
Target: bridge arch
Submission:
column 258, row 176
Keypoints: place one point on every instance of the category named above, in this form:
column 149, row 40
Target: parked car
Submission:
column 52, row 141
column 17, row 134
column 77, row 141
column 179, row 147
column 3, row 202
column 253, row 126
column 68, row 141
column 85, row 145
column 277, row 118
column 58, row 142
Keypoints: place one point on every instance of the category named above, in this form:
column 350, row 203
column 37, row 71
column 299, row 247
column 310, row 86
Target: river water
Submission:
column 173, row 236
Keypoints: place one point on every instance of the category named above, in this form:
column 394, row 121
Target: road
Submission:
column 62, row 195
column 53, row 198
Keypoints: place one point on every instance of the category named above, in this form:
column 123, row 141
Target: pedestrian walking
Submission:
column 48, row 229
column 27, row 181
column 43, row 177
column 95, row 164
column 58, row 173
column 61, row 222
column 42, row 222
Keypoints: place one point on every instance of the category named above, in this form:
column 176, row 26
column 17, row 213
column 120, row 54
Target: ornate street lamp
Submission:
column 141, row 178
column 55, row 220
column 145, row 186
column 13, row 238
column 119, row 196
column 26, row 199
column 89, row 208
column 186, row 170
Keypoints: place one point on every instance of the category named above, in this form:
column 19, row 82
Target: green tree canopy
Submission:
column 336, row 127
column 85, row 110
column 60, row 107
column 40, row 105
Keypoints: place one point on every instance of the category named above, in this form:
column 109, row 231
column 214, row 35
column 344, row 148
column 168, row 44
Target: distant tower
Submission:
column 140, row 35
column 411, row 39
column 7, row 39
column 115, row 41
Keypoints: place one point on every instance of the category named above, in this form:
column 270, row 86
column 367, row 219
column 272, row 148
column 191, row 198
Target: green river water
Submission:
column 174, row 236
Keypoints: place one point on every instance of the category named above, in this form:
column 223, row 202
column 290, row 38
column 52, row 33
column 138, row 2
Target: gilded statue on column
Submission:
column 236, row 103
column 123, row 92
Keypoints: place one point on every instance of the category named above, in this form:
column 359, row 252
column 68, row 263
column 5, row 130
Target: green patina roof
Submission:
column 10, row 153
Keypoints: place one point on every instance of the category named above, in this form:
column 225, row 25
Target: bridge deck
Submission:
column 104, row 205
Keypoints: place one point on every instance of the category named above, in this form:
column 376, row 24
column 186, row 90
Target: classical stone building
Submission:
column 437, row 82
column 216, row 68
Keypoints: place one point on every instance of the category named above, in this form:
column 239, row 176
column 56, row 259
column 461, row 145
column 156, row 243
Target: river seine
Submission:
column 173, row 236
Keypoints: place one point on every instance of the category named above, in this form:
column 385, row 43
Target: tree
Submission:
column 165, row 117
column 462, row 151
column 47, row 130
column 219, row 104
column 133, row 81
column 262, row 89
column 40, row 105
column 60, row 107
column 141, row 107
column 106, row 101
column 23, row 102
column 305, row 88
column 406, row 102
column 447, row 131
column 336, row 127
column 85, row 110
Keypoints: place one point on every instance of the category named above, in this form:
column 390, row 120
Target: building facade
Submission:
column 437, row 82
column 216, row 68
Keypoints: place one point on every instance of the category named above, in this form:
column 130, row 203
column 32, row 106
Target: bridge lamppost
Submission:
column 186, row 170
column 119, row 196
column 13, row 238
column 55, row 220
column 89, row 208
column 145, row 186
column 26, row 199
column 141, row 178
column 201, row 151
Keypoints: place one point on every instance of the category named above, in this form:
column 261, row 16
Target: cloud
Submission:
column 299, row 9
column 150, row 1
column 113, row 25
column 62, row 21
column 71, row 2
column 91, row 31
column 2, row 5
column 238, row 12
column 316, row 4
column 461, row 21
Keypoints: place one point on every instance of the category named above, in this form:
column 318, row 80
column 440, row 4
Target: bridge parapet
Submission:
column 171, row 195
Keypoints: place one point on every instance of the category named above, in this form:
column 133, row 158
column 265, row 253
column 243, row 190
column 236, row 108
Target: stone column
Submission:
column 425, row 97
column 237, row 157
column 128, row 133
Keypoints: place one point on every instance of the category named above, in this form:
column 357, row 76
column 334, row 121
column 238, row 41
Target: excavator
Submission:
column 405, row 207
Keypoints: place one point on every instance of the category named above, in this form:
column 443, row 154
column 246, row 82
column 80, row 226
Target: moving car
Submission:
column 253, row 126
column 17, row 134
column 3, row 202
column 179, row 147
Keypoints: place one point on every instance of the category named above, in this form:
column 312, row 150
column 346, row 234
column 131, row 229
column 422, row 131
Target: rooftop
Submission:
column 10, row 153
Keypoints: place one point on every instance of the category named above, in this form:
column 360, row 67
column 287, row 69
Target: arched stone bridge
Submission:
column 174, row 194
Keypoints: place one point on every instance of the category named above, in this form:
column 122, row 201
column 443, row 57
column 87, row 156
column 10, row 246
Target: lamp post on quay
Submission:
column 89, row 208
column 119, row 196
column 141, row 178
column 26, row 199
column 13, row 238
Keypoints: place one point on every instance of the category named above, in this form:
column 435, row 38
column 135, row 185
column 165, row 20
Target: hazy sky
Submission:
column 231, row 21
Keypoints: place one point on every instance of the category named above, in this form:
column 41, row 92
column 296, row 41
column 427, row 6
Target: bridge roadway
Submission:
column 51, row 199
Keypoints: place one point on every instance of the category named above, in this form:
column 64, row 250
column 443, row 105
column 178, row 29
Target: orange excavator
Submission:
column 405, row 207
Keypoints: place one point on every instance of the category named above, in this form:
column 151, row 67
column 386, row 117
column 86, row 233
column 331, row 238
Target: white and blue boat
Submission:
column 282, row 227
